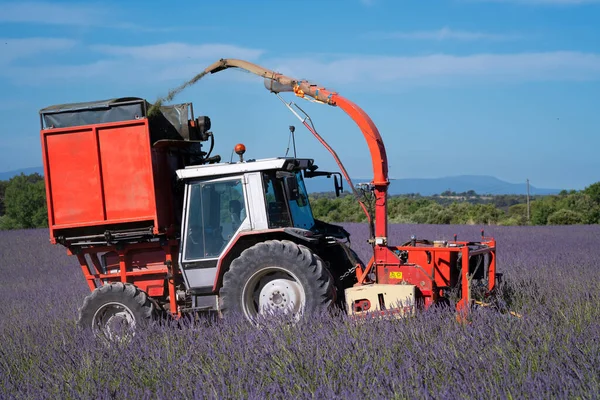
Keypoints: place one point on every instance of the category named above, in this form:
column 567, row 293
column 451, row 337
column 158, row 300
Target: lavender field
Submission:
column 553, row 351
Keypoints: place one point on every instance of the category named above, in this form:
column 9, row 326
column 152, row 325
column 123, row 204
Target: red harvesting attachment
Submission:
column 429, row 268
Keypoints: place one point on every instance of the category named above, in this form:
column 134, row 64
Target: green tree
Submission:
column 460, row 212
column 25, row 202
column 582, row 204
column 566, row 217
column 3, row 185
column 432, row 214
column 594, row 192
column 401, row 210
column 7, row 223
column 517, row 213
column 485, row 214
column 541, row 209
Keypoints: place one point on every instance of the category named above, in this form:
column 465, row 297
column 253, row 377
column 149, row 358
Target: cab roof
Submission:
column 223, row 169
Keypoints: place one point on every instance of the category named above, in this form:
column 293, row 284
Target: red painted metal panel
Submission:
column 147, row 265
column 141, row 259
column 429, row 267
column 127, row 172
column 72, row 169
column 105, row 174
column 100, row 223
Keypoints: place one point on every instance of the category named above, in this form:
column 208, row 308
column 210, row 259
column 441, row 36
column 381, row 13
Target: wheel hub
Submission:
column 277, row 298
column 114, row 320
column 280, row 295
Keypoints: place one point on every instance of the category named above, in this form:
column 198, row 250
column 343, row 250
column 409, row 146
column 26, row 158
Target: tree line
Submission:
column 23, row 206
column 566, row 208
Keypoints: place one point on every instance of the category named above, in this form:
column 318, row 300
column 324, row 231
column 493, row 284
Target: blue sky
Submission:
column 508, row 88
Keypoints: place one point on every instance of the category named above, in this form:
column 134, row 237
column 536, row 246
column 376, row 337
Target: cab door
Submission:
column 215, row 211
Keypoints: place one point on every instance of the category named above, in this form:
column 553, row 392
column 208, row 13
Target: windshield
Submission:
column 302, row 215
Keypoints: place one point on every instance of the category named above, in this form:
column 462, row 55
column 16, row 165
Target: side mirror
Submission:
column 339, row 186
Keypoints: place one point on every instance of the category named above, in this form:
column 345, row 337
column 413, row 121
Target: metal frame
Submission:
column 188, row 194
column 128, row 273
column 431, row 276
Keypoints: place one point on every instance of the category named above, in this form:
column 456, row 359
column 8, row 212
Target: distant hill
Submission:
column 4, row 176
column 481, row 184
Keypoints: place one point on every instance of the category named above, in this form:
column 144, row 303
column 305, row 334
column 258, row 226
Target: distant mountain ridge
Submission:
column 4, row 176
column 481, row 184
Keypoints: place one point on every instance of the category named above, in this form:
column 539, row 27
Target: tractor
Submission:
column 160, row 226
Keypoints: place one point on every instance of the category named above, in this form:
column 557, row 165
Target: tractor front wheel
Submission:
column 276, row 277
column 115, row 311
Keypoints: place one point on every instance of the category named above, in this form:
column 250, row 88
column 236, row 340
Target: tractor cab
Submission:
column 225, row 201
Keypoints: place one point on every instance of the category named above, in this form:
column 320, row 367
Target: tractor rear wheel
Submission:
column 273, row 277
column 115, row 311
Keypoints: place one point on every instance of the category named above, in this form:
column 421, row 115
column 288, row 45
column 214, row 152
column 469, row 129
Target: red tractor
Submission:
column 159, row 225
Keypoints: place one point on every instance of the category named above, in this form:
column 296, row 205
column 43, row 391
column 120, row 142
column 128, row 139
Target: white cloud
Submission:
column 53, row 13
column 445, row 68
column 14, row 49
column 127, row 64
column 444, row 34
column 179, row 51
column 180, row 61
column 80, row 15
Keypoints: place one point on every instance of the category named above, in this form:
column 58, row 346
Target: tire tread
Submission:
column 320, row 294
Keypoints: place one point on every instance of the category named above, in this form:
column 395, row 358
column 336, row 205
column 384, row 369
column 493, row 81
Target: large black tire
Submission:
column 276, row 273
column 120, row 303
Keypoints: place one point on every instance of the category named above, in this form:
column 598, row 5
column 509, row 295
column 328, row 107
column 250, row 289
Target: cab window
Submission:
column 277, row 209
column 216, row 210
column 282, row 212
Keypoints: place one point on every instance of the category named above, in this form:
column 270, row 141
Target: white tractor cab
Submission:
column 250, row 243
